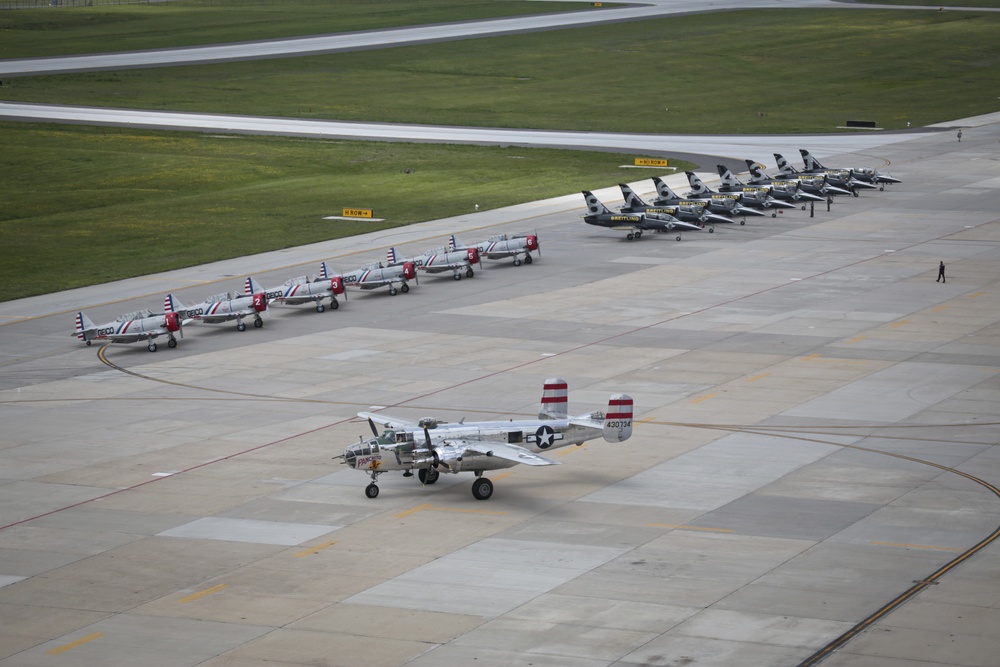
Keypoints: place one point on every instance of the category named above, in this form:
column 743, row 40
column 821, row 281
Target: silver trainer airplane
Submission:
column 222, row 308
column 374, row 275
column 439, row 260
column 431, row 447
column 141, row 325
column 300, row 290
column 502, row 247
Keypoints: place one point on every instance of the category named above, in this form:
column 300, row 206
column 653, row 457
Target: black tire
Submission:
column 88, row 343
column 630, row 236
column 428, row 475
column 334, row 304
column 678, row 237
column 320, row 307
column 151, row 347
column 527, row 259
column 371, row 490
column 743, row 222
column 392, row 291
column 257, row 322
column 469, row 273
column 774, row 215
column 457, row 276
column 517, row 262
column 482, row 488
column 405, row 288
column 711, row 230
column 172, row 343
column 241, row 326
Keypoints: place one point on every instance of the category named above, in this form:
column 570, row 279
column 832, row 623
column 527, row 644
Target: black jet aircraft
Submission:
column 748, row 195
column 840, row 178
column 866, row 174
column 723, row 204
column 814, row 184
column 687, row 210
column 634, row 223
column 787, row 191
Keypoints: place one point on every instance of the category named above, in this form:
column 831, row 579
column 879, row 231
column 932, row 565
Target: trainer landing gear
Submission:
column 171, row 342
column 334, row 304
column 469, row 272
column 241, row 326
column 257, row 322
column 151, row 347
column 319, row 309
column 404, row 288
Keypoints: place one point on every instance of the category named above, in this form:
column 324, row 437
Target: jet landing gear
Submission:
column 482, row 488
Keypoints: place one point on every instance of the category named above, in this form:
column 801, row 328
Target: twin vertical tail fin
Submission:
column 555, row 404
column 618, row 419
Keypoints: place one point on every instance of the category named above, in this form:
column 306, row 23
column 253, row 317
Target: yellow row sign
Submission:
column 358, row 213
column 650, row 162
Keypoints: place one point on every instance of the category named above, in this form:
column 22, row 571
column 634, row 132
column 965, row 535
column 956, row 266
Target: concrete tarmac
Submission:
column 816, row 430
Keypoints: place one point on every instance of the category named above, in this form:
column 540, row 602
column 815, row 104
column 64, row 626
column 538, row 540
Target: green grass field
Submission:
column 85, row 205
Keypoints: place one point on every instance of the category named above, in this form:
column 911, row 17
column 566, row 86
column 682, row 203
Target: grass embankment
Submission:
column 774, row 71
column 55, row 31
column 87, row 205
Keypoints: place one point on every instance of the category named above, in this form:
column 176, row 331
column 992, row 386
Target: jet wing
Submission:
column 504, row 451
column 390, row 422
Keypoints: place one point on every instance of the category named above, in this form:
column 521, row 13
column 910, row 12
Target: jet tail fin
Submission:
column 698, row 186
column 810, row 163
column 618, row 419
column 784, row 166
column 756, row 172
column 728, row 178
column 663, row 190
column 632, row 200
column 594, row 205
column 555, row 404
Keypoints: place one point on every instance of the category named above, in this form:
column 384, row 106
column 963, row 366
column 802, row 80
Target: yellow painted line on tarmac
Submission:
column 940, row 308
column 563, row 452
column 976, row 295
column 759, row 376
column 73, row 644
column 416, row 509
column 810, row 357
column 644, row 421
column 312, row 551
column 677, row 526
column 200, row 594
column 900, row 323
column 856, row 339
column 700, row 399
column 917, row 546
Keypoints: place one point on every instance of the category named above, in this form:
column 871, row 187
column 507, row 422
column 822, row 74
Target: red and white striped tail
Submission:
column 618, row 419
column 390, row 256
column 554, row 402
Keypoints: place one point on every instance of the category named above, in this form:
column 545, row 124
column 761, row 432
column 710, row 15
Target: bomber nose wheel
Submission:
column 371, row 490
column 482, row 488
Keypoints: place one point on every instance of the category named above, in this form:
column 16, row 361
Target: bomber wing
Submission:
column 390, row 422
column 504, row 451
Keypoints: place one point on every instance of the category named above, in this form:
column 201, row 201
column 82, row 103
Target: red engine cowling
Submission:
column 172, row 321
column 532, row 242
column 473, row 255
column 259, row 302
column 337, row 284
column 409, row 270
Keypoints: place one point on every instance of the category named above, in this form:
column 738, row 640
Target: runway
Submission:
column 190, row 509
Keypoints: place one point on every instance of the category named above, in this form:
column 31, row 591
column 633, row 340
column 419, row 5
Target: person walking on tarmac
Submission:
column 941, row 277
column 959, row 136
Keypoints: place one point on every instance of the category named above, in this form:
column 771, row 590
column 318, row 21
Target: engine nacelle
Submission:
column 337, row 285
column 449, row 458
column 532, row 243
column 473, row 255
column 409, row 270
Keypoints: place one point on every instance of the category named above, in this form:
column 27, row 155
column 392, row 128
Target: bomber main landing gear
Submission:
column 428, row 475
column 482, row 488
